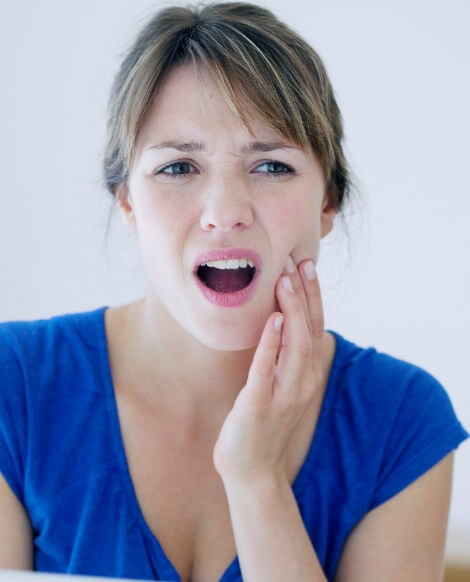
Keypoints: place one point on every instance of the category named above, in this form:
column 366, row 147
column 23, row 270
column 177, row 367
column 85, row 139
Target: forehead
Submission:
column 190, row 103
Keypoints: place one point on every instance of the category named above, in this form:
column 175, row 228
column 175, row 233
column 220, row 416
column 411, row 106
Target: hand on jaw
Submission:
column 283, row 378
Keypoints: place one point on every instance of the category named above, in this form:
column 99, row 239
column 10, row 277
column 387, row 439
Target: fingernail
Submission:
column 288, row 284
column 290, row 265
column 309, row 270
column 278, row 322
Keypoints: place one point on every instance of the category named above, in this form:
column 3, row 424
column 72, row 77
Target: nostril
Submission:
column 226, row 215
column 219, row 226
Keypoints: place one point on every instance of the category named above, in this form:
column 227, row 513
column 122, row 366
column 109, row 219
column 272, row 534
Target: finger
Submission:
column 295, row 354
column 315, row 307
column 262, row 369
column 292, row 270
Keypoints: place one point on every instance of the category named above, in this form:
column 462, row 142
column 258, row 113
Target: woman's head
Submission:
column 259, row 66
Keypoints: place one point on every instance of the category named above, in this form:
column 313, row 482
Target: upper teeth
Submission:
column 230, row 264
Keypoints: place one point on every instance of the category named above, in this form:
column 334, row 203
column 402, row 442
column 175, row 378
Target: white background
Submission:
column 400, row 278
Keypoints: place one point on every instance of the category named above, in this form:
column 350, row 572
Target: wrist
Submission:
column 261, row 485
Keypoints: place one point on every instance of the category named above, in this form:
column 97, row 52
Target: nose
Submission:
column 227, row 206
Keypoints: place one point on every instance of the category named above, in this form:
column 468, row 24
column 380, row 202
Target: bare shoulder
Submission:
column 16, row 546
column 404, row 538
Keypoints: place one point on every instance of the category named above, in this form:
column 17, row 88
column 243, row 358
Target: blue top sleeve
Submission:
column 423, row 431
column 13, row 413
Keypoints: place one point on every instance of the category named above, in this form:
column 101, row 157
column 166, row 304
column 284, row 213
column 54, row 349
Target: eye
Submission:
column 177, row 170
column 274, row 169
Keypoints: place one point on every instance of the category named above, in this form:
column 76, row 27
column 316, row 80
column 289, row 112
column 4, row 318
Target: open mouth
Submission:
column 227, row 276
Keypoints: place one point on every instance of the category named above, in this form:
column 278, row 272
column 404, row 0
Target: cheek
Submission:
column 297, row 222
column 283, row 216
column 161, row 229
column 157, row 215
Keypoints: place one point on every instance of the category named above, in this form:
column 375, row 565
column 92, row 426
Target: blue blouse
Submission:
column 383, row 423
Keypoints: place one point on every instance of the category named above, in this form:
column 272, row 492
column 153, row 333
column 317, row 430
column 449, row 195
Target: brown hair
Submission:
column 242, row 46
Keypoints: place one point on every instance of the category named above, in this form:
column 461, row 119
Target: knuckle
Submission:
column 301, row 306
column 265, row 368
column 317, row 327
column 287, row 403
column 309, row 389
column 296, row 304
column 271, row 343
column 304, row 349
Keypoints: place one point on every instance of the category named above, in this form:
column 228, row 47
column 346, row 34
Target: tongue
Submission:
column 227, row 280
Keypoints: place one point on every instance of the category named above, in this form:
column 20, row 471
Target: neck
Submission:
column 151, row 362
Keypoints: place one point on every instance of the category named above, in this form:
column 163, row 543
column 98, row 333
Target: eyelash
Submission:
column 287, row 170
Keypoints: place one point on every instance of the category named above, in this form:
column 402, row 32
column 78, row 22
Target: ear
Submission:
column 124, row 202
column 328, row 213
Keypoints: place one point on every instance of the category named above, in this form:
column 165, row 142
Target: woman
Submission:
column 215, row 418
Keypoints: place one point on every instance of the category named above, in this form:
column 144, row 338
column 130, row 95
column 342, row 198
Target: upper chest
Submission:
column 180, row 495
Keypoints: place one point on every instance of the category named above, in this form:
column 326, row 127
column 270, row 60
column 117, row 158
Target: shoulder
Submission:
column 22, row 341
column 36, row 356
column 399, row 417
column 52, row 376
column 381, row 381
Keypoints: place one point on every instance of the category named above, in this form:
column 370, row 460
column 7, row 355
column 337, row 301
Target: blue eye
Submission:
column 276, row 169
column 176, row 170
column 179, row 170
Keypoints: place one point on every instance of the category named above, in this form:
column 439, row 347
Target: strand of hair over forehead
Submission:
column 297, row 131
column 284, row 87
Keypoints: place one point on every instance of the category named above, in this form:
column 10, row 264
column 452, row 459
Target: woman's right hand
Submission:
column 283, row 378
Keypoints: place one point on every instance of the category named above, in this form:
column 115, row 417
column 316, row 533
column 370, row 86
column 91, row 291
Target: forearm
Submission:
column 271, row 539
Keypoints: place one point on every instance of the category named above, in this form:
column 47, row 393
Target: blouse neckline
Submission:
column 165, row 568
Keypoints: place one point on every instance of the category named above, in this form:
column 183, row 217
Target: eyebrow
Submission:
column 193, row 146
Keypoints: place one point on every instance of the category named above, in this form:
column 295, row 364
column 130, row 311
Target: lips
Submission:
column 225, row 286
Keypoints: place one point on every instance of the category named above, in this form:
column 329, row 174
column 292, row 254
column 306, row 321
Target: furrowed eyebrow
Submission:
column 259, row 146
column 193, row 146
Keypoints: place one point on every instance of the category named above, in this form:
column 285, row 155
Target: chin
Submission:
column 231, row 337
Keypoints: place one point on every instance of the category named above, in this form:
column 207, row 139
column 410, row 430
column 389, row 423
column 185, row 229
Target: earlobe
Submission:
column 124, row 202
column 328, row 214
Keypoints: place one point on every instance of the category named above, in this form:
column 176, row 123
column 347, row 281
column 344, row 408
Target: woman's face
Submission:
column 201, row 183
